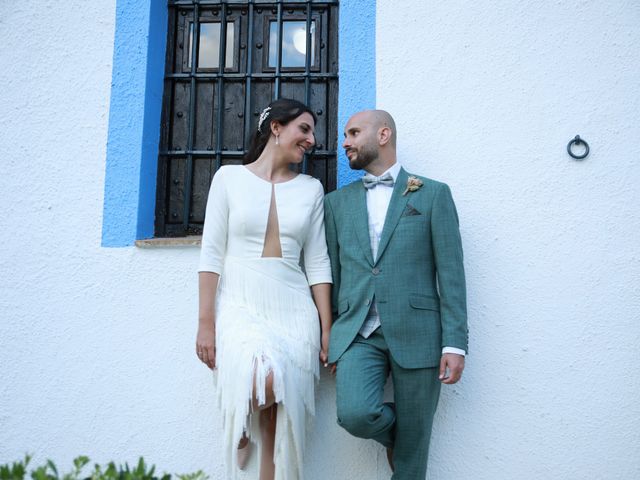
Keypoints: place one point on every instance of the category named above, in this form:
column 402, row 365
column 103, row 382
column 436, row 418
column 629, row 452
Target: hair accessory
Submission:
column 263, row 116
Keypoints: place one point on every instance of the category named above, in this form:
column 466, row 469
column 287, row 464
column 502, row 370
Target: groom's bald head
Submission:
column 376, row 120
column 383, row 119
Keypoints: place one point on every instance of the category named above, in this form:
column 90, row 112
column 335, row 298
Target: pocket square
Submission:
column 409, row 211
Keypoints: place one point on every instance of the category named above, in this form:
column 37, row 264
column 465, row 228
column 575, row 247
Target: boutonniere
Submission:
column 413, row 184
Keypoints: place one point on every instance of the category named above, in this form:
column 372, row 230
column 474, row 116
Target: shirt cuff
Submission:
column 457, row 351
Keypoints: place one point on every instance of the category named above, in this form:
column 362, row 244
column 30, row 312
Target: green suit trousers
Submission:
column 404, row 425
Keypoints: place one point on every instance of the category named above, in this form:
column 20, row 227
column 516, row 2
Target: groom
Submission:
column 398, row 297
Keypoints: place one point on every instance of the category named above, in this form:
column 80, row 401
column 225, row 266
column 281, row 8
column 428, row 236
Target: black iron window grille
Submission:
column 226, row 60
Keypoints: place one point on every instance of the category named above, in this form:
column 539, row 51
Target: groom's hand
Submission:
column 454, row 363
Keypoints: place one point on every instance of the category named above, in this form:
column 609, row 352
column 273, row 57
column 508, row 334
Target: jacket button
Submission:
column 367, row 302
column 375, row 271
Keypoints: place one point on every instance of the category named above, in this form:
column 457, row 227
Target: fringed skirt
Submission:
column 266, row 322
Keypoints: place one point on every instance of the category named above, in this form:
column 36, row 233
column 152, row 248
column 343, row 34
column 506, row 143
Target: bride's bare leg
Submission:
column 268, row 433
column 267, row 421
column 270, row 397
column 243, row 445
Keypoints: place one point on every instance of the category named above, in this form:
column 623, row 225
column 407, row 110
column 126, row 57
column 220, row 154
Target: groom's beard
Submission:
column 363, row 157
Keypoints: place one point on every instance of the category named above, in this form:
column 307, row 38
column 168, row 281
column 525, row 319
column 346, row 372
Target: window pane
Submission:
column 209, row 48
column 294, row 43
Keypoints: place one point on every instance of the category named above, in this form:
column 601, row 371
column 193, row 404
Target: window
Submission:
column 269, row 50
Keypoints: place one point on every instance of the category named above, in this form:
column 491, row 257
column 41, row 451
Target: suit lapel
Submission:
column 362, row 221
column 394, row 212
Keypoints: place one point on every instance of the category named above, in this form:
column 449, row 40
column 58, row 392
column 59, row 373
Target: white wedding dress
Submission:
column 266, row 320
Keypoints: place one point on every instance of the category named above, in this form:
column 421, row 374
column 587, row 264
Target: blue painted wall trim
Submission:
column 136, row 102
column 357, row 69
column 134, row 121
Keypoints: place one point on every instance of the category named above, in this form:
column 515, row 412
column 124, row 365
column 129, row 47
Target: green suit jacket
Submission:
column 417, row 280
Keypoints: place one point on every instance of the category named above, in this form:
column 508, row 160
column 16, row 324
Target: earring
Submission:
column 277, row 139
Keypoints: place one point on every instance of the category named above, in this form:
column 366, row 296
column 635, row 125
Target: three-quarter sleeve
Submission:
column 316, row 258
column 214, row 234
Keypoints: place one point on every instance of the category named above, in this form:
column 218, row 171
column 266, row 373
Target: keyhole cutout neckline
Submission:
column 272, row 246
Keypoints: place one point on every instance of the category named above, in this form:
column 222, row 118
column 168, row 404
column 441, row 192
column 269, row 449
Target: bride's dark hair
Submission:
column 282, row 111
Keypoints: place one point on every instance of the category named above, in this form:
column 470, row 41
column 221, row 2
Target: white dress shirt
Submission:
column 378, row 199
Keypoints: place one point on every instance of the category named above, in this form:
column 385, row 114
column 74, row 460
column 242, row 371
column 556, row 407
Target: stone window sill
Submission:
column 191, row 241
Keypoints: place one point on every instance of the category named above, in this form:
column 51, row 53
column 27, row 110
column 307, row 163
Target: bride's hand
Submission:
column 324, row 349
column 206, row 345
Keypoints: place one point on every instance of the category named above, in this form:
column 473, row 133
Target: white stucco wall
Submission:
column 96, row 344
column 487, row 96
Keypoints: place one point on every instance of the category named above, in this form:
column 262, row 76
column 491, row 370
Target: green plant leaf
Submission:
column 49, row 471
column 97, row 473
column 52, row 466
column 40, row 473
column 199, row 475
column 111, row 472
column 80, row 462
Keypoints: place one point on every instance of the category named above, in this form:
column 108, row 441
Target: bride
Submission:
column 260, row 326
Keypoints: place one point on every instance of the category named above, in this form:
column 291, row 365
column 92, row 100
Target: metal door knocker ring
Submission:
column 577, row 141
